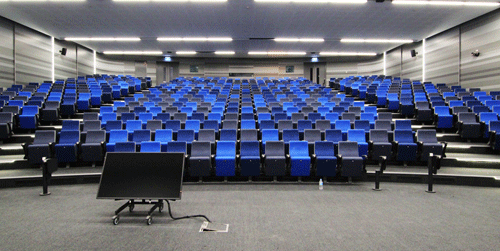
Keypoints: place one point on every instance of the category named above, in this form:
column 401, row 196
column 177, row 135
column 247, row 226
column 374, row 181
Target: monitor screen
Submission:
column 141, row 176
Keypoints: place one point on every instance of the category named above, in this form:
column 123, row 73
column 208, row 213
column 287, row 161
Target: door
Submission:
column 316, row 72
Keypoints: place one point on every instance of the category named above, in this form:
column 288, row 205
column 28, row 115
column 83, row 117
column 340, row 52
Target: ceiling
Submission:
column 240, row 20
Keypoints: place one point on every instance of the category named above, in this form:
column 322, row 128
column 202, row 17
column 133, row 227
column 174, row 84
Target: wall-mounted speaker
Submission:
column 63, row 51
column 413, row 53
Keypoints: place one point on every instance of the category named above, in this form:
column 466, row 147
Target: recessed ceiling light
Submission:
column 347, row 54
column 310, row 40
column 199, row 1
column 195, row 39
column 276, row 53
column 314, row 1
column 224, row 52
column 448, row 3
column 103, row 39
column 185, row 52
column 399, row 41
column 133, row 52
column 42, row 0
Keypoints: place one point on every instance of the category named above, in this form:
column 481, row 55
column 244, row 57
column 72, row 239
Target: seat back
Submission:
column 488, row 116
column 403, row 136
column 226, row 149
column 467, row 117
column 442, row 110
column 384, row 116
column 207, row 135
column 323, row 125
column 141, row 135
column 343, row 125
column 230, row 124
column 174, row 125
column 185, row 135
column 270, row 135
column 69, row 137
column 248, row 135
column 357, row 135
column 163, row 135
column 402, row 124
column 362, row 124
column 333, row 135
column 299, row 149
column 324, row 149
column 302, row 125
column 91, row 125
column 133, row 125
column 275, row 149
column 201, row 149
column 247, row 124
column 118, row 136
column 312, row 135
column 426, row 136
column 228, row 134
column 290, row 135
column 95, row 136
column 125, row 147
column 44, row 137
column 348, row 149
column 177, row 147
column 70, row 125
column 249, row 148
column 379, row 135
column 7, row 117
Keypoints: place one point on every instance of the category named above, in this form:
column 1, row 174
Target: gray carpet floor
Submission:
column 260, row 217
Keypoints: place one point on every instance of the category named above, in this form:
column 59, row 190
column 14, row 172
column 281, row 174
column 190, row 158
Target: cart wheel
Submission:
column 131, row 208
column 116, row 220
column 149, row 220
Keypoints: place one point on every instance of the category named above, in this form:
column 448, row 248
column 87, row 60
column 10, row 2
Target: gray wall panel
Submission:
column 482, row 71
column 108, row 66
column 442, row 57
column 375, row 67
column 412, row 66
column 6, row 53
column 85, row 61
column 64, row 65
column 33, row 59
column 393, row 63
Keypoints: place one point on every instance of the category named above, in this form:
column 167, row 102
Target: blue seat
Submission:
column 29, row 118
column 144, row 117
column 163, row 136
column 442, row 117
column 68, row 106
column 67, row 148
column 174, row 125
column 116, row 136
column 177, row 147
column 303, row 125
column 247, row 124
column 300, row 162
column 107, row 116
column 290, row 135
column 363, row 125
column 125, row 147
column 359, row 135
column 141, row 135
column 344, row 126
column 324, row 159
column 467, row 125
column 379, row 145
column 225, row 158
column 83, row 102
column 334, row 136
column 250, row 158
column 405, row 147
column 193, row 125
column 494, row 141
column 70, row 125
column 267, row 124
column 185, row 135
column 427, row 143
column 228, row 135
column 485, row 118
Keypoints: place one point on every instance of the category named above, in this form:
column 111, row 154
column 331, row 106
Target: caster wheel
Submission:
column 160, row 208
column 149, row 220
column 116, row 220
column 131, row 208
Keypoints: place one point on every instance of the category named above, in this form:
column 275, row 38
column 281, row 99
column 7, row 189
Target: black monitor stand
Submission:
column 131, row 205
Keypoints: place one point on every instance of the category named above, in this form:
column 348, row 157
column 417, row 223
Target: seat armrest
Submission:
column 445, row 144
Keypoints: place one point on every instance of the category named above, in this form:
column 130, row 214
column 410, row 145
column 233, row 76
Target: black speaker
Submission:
column 63, row 51
column 413, row 53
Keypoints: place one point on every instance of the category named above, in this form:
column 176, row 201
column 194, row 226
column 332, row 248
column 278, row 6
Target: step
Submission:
column 491, row 161
column 473, row 147
column 10, row 162
column 11, row 149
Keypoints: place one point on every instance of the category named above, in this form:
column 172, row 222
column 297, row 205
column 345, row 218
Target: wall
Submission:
column 482, row 71
column 65, row 65
column 85, row 61
column 442, row 61
column 393, row 62
column 411, row 67
column 6, row 53
column 33, row 59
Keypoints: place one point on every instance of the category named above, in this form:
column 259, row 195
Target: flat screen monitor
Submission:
column 152, row 176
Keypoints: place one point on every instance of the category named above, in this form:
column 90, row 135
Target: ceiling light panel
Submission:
column 173, row 1
column 304, row 40
column 194, row 39
column 185, row 52
column 446, row 3
column 314, row 1
column 104, row 39
column 133, row 52
column 398, row 41
column 224, row 53
column 347, row 54
column 283, row 53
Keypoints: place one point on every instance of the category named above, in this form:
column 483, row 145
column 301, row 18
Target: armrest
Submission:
column 25, row 149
